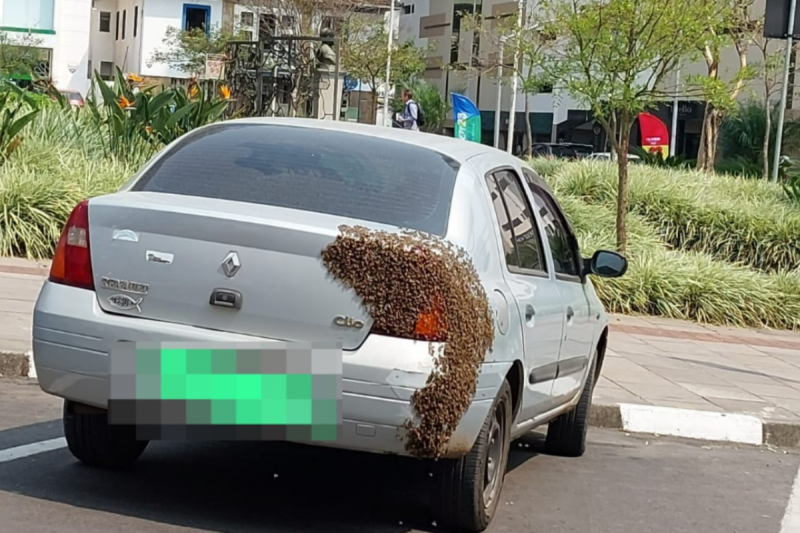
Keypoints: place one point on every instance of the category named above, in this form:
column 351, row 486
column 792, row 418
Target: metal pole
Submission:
column 499, row 106
column 512, row 112
column 776, row 161
column 337, row 93
column 674, row 137
column 388, row 65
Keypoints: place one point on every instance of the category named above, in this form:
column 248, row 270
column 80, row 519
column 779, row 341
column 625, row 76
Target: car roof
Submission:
column 456, row 149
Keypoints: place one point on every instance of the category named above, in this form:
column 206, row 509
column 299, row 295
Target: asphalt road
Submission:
column 624, row 483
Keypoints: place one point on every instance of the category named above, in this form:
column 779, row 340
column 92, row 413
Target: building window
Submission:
column 29, row 15
column 246, row 18
column 247, row 35
column 116, row 33
column 288, row 22
column 89, row 70
column 107, row 70
column 124, row 22
column 105, row 22
column 196, row 17
column 408, row 9
column 267, row 26
column 135, row 21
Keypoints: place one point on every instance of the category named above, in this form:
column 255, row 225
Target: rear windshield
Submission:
column 323, row 171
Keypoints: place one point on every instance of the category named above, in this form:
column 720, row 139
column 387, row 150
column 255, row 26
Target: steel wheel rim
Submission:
column 493, row 474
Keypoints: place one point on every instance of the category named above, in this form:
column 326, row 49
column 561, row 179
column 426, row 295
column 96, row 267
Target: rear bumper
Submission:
column 72, row 337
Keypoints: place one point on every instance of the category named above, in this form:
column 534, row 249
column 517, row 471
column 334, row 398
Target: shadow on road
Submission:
column 247, row 486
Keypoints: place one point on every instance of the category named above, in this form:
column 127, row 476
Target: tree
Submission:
column 21, row 56
column 364, row 49
column 730, row 24
column 528, row 43
column 186, row 50
column 769, row 69
column 615, row 55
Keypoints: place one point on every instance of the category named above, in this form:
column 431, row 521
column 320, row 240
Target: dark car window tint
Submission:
column 323, row 171
column 523, row 224
column 559, row 236
column 512, row 259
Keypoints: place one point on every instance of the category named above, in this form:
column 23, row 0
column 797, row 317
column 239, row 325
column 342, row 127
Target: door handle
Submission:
column 570, row 313
column 530, row 312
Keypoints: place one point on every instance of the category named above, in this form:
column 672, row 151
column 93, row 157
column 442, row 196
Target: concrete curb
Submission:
column 698, row 425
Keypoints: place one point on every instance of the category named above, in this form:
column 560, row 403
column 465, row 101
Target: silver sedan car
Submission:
column 218, row 240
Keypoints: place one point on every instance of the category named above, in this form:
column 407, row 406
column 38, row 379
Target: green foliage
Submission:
column 669, row 277
column 137, row 119
column 655, row 160
column 433, row 104
column 792, row 188
column 20, row 56
column 14, row 116
column 747, row 222
column 186, row 50
column 741, row 137
column 364, row 53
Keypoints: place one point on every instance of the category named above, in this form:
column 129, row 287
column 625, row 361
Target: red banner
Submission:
column 655, row 136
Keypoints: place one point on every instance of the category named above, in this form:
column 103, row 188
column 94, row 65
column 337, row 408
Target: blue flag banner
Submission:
column 467, row 118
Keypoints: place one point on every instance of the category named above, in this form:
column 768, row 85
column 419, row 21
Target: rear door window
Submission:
column 332, row 172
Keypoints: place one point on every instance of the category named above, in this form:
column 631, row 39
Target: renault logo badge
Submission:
column 231, row 264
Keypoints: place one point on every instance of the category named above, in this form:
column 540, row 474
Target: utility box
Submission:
column 776, row 21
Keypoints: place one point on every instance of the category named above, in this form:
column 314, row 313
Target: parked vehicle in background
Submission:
column 247, row 206
column 73, row 97
column 562, row 150
column 606, row 156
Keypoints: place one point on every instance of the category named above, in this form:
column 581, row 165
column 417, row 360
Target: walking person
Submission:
column 411, row 117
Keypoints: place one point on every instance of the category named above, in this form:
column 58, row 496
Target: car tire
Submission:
column 93, row 441
column 467, row 490
column 566, row 435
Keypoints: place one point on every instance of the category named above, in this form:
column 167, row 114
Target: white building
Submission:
column 126, row 33
column 554, row 115
column 61, row 28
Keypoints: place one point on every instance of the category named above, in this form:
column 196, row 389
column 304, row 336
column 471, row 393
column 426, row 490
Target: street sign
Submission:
column 776, row 20
column 215, row 67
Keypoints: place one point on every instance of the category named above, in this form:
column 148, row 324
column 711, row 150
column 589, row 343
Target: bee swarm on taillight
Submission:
column 421, row 287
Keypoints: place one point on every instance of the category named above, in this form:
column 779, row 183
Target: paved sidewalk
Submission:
column 671, row 363
column 650, row 361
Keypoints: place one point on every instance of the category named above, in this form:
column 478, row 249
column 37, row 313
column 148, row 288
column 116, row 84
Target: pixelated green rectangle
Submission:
column 242, row 399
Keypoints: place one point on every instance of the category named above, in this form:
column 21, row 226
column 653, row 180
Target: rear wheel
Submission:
column 93, row 441
column 566, row 435
column 468, row 489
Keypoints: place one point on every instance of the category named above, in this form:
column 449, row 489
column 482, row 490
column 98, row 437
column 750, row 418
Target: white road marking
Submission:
column 791, row 519
column 32, row 449
column 691, row 424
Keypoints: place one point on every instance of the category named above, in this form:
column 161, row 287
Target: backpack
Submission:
column 420, row 115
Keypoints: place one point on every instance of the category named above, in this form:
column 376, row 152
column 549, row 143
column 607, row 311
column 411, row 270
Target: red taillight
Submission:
column 72, row 262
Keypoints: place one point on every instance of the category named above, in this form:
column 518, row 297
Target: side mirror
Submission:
column 607, row 264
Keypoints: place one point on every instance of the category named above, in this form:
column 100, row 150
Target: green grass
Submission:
column 679, row 277
column 56, row 166
column 735, row 220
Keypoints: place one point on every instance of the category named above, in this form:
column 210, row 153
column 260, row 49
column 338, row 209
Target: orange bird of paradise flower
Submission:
column 124, row 102
column 134, row 78
column 193, row 91
column 225, row 92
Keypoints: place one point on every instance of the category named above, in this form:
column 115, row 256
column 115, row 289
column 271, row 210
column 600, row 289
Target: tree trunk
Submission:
column 622, row 192
column 765, row 156
column 708, row 139
column 613, row 134
column 528, row 128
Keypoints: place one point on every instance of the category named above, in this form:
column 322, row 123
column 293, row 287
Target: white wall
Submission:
column 102, row 44
column 126, row 54
column 158, row 16
column 70, row 44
